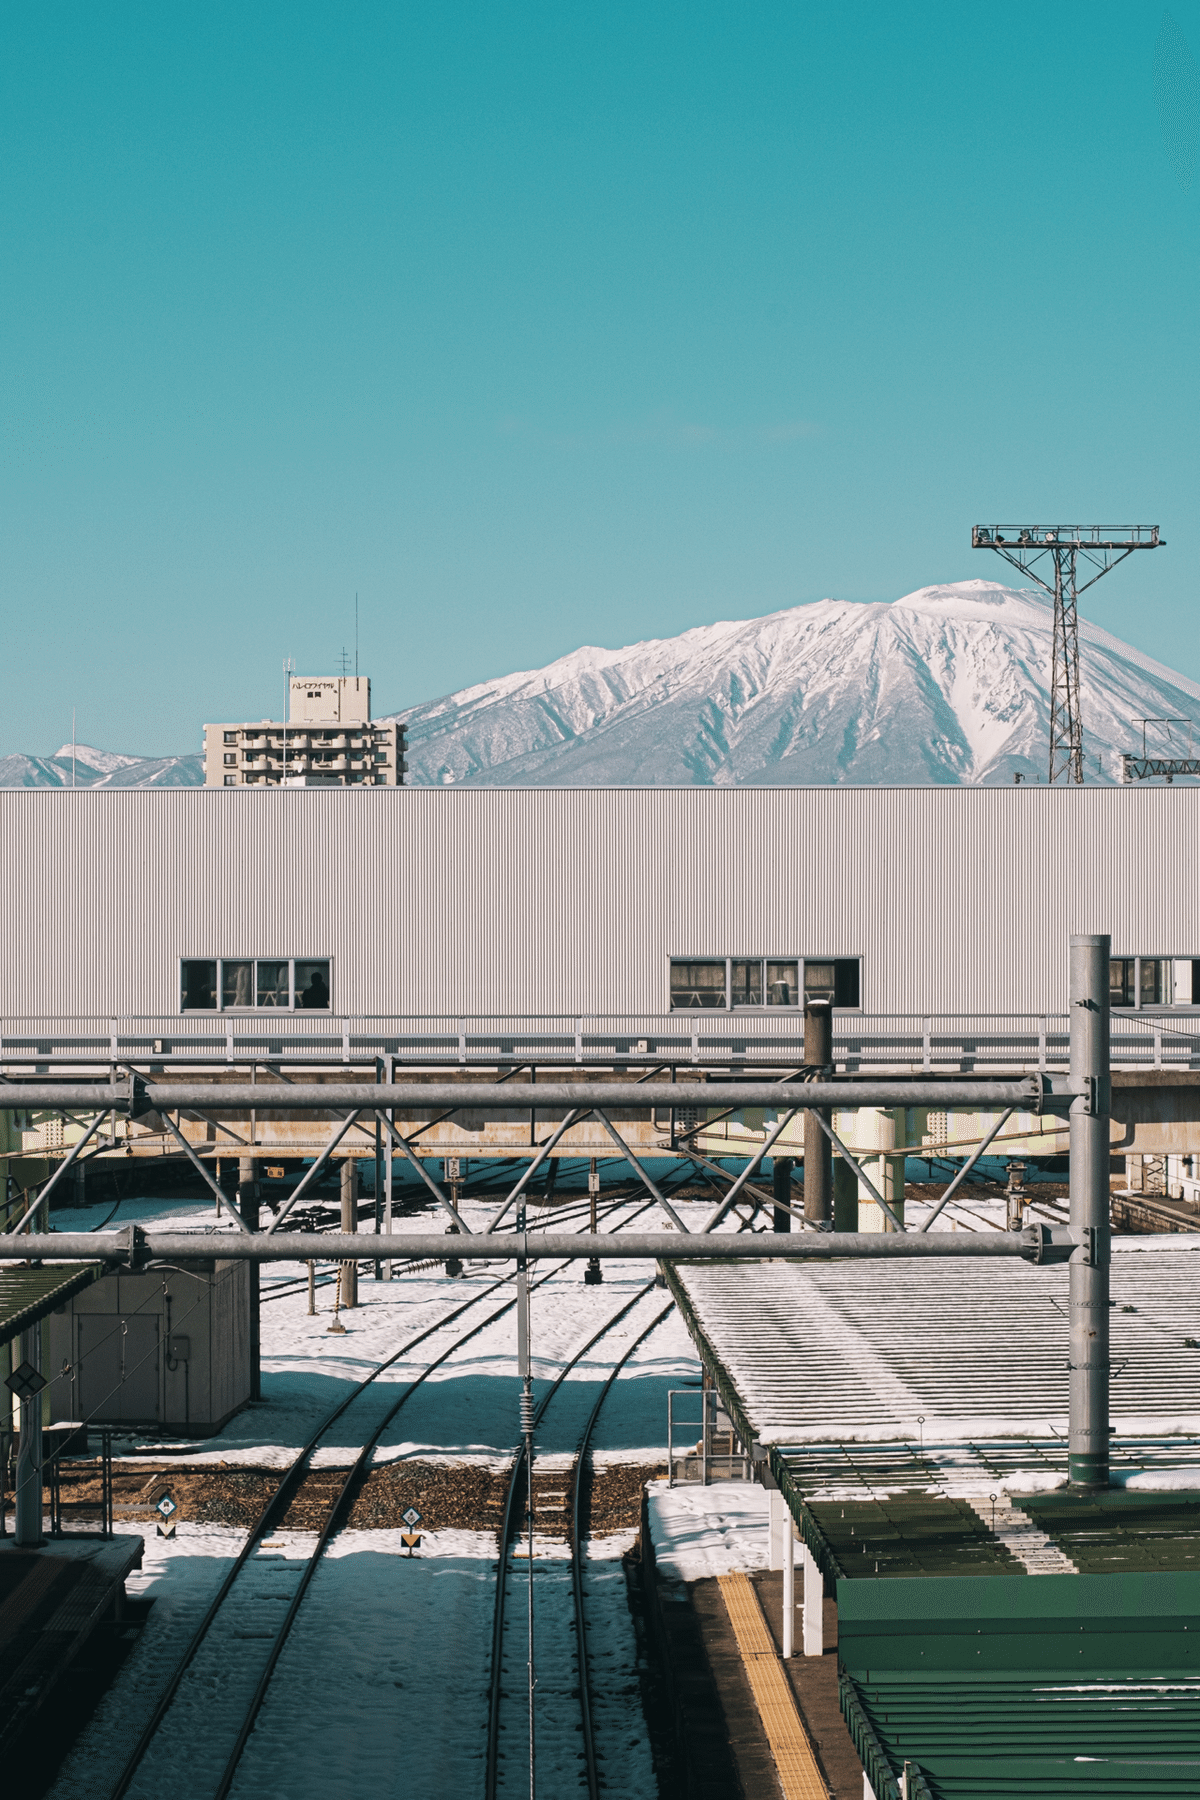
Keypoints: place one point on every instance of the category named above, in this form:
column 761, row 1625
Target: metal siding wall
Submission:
column 558, row 901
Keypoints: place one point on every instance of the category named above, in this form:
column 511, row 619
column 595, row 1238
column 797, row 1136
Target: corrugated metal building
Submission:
column 595, row 901
column 165, row 1349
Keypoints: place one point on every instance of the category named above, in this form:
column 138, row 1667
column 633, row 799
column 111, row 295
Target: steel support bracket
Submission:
column 139, row 1101
column 136, row 1253
column 1035, row 1088
column 1093, row 1247
column 1095, row 1097
column 1041, row 1246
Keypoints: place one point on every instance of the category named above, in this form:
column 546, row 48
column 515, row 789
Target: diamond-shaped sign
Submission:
column 25, row 1382
column 166, row 1506
column 411, row 1517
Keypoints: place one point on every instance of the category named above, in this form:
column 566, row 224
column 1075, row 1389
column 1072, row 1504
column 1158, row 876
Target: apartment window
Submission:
column 231, row 781
column 235, row 984
column 764, row 981
column 231, row 760
column 1136, row 981
column 230, row 738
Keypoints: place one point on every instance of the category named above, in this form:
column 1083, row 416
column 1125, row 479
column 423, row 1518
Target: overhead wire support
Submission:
column 1057, row 548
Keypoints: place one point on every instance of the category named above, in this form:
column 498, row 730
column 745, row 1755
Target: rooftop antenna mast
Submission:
column 1101, row 546
column 356, row 637
column 288, row 668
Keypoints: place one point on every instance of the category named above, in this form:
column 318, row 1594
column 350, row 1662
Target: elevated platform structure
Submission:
column 914, row 1438
column 51, row 1601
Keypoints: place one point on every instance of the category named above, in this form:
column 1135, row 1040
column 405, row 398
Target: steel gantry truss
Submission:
column 1028, row 548
column 1083, row 1094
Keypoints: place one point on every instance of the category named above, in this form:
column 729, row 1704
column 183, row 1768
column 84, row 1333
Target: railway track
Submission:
column 231, row 1588
column 576, row 1481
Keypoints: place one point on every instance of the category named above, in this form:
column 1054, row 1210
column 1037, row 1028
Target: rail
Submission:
column 863, row 1042
column 518, row 1467
column 270, row 1517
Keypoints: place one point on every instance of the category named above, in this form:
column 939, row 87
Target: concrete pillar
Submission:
column 29, row 1461
column 845, row 1196
column 781, row 1187
column 248, row 1209
column 1088, row 1447
column 818, row 1176
column 814, row 1605
column 349, row 1223
column 876, row 1130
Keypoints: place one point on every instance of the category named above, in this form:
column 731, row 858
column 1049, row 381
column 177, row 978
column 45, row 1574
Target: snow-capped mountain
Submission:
column 950, row 684
column 100, row 768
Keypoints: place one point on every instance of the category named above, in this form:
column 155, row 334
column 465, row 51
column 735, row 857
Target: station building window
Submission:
column 1137, row 981
column 218, row 984
column 763, row 981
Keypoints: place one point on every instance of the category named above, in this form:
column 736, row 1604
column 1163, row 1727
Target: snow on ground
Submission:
column 699, row 1531
column 401, row 1645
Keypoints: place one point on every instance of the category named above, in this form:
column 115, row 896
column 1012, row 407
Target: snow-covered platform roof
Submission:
column 932, row 1353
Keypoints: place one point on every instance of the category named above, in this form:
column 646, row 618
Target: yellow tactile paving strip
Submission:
column 795, row 1763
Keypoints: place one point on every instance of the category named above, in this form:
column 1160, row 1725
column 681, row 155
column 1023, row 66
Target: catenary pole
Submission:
column 1087, row 1453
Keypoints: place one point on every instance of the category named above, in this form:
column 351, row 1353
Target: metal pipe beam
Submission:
column 842, row 1151
column 777, row 1130
column 1029, row 1091
column 59, row 1172
column 572, row 1118
column 1087, row 1448
column 962, row 1174
column 397, row 1142
column 200, row 1168
column 1037, row 1243
column 633, row 1162
column 310, row 1175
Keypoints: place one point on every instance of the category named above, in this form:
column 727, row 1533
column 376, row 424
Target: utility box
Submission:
column 165, row 1349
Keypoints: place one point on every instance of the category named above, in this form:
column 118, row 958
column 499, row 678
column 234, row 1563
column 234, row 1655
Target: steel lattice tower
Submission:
column 1103, row 546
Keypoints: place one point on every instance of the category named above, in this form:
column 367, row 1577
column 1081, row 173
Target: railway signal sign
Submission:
column 166, row 1507
column 25, row 1382
column 411, row 1517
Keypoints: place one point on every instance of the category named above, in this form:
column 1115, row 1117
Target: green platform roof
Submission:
column 1025, row 1686
column 29, row 1292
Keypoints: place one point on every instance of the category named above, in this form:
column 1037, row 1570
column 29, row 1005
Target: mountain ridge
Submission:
column 949, row 684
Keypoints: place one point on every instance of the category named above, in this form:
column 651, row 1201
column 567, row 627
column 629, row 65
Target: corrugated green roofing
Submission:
column 924, row 1535
column 994, row 1737
column 1121, row 1531
column 1059, row 1684
column 29, row 1292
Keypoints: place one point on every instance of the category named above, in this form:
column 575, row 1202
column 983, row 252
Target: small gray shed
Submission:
column 166, row 1348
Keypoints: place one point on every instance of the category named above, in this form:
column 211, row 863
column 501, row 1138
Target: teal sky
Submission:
column 540, row 326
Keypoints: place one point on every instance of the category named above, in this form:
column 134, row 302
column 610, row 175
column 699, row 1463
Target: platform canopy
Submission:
column 29, row 1292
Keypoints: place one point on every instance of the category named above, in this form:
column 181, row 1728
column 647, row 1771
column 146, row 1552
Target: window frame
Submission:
column 1137, row 1005
column 741, row 1009
column 254, row 1010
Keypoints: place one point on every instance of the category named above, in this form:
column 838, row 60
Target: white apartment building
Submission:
column 328, row 740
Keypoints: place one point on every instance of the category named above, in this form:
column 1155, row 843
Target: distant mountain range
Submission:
column 100, row 768
column 947, row 685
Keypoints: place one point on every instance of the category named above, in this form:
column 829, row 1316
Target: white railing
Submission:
column 889, row 1042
